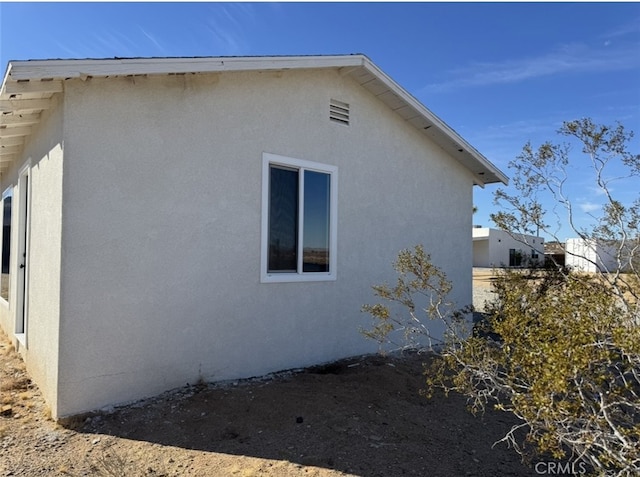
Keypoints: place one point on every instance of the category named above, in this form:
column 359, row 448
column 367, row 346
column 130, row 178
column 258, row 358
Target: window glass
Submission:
column 515, row 257
column 315, row 251
column 6, row 246
column 283, row 219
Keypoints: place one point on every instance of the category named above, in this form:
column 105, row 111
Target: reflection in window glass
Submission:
column 286, row 231
column 283, row 219
column 6, row 247
column 315, row 252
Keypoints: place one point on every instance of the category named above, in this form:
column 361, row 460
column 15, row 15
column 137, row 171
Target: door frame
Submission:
column 23, row 214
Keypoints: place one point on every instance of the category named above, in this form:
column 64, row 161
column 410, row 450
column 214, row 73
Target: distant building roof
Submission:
column 554, row 248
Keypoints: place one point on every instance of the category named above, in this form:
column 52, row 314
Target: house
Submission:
column 498, row 248
column 168, row 220
column 554, row 253
column 591, row 255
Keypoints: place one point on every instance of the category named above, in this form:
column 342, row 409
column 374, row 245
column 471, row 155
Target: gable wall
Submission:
column 162, row 227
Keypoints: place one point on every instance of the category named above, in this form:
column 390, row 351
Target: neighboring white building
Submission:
column 497, row 248
column 588, row 255
column 176, row 219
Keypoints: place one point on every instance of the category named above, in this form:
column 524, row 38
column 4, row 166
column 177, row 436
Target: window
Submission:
column 298, row 220
column 6, row 243
column 515, row 257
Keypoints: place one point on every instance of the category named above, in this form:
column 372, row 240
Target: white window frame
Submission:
column 7, row 192
column 269, row 159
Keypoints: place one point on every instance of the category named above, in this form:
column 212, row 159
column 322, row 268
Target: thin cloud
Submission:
column 113, row 43
column 567, row 59
column 70, row 52
column 522, row 130
column 630, row 28
column 588, row 207
column 227, row 24
column 153, row 40
column 599, row 191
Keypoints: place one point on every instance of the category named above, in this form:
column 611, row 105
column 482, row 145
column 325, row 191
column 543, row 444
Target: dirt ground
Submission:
column 362, row 417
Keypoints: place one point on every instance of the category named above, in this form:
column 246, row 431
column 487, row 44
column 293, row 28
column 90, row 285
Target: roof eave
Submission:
column 66, row 69
column 483, row 170
column 358, row 66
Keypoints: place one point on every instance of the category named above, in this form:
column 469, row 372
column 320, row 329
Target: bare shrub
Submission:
column 558, row 349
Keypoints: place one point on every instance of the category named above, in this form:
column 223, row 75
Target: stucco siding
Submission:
column 43, row 159
column 481, row 256
column 591, row 256
column 491, row 247
column 162, row 202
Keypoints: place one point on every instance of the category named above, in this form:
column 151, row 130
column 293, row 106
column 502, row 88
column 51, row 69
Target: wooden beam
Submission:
column 15, row 105
column 14, row 132
column 7, row 151
column 12, row 141
column 347, row 70
column 19, row 119
column 33, row 87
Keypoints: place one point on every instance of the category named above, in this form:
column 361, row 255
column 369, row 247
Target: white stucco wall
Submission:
column 590, row 256
column 161, row 227
column 481, row 257
column 42, row 157
column 491, row 246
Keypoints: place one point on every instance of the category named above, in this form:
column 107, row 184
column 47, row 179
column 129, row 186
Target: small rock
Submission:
column 299, row 420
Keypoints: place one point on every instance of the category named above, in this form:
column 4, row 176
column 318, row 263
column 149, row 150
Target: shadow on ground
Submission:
column 363, row 416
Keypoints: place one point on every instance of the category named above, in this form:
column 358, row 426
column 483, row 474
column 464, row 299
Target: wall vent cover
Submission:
column 339, row 112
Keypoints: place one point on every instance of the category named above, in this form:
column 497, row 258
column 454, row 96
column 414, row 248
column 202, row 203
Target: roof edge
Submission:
column 483, row 170
column 433, row 118
column 45, row 69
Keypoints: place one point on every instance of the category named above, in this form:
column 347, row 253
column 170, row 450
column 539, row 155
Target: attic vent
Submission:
column 339, row 112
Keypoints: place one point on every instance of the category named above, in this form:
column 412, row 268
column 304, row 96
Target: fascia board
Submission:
column 435, row 120
column 6, row 78
column 64, row 69
column 39, row 69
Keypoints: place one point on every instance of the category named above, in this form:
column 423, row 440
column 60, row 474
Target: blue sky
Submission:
column 500, row 74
